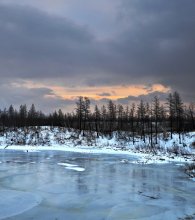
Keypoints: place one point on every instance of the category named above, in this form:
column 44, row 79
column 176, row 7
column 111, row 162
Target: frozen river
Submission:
column 55, row 185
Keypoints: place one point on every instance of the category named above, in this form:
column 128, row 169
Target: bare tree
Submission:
column 132, row 118
column 80, row 111
column 178, row 109
column 97, row 116
column 156, row 112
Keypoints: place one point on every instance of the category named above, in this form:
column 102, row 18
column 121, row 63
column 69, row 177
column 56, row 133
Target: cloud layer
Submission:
column 117, row 42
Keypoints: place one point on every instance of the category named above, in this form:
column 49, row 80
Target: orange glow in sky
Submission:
column 110, row 92
column 114, row 92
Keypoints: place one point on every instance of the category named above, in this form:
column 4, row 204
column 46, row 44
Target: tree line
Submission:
column 143, row 119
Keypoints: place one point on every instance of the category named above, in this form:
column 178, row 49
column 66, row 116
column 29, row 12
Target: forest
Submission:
column 142, row 119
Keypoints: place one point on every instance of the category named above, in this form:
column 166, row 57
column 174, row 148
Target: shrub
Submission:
column 193, row 144
column 190, row 169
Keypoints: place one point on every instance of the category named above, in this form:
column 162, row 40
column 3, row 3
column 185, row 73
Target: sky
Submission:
column 51, row 52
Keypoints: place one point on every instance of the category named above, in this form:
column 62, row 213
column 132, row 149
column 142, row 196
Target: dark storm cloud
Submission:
column 159, row 42
column 34, row 44
column 37, row 45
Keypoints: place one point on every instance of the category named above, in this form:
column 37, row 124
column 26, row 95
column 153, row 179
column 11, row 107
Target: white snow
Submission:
column 67, row 164
column 62, row 139
column 72, row 167
column 80, row 169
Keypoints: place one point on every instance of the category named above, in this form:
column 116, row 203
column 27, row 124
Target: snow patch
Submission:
column 72, row 167
column 67, row 164
column 80, row 169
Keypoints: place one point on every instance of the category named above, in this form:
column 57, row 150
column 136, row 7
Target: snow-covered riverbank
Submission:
column 47, row 138
column 142, row 158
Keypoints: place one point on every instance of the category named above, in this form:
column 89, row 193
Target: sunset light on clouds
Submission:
column 111, row 92
column 114, row 92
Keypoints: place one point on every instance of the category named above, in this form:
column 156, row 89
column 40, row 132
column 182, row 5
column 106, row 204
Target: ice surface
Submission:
column 111, row 188
column 135, row 210
column 53, row 188
column 15, row 202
